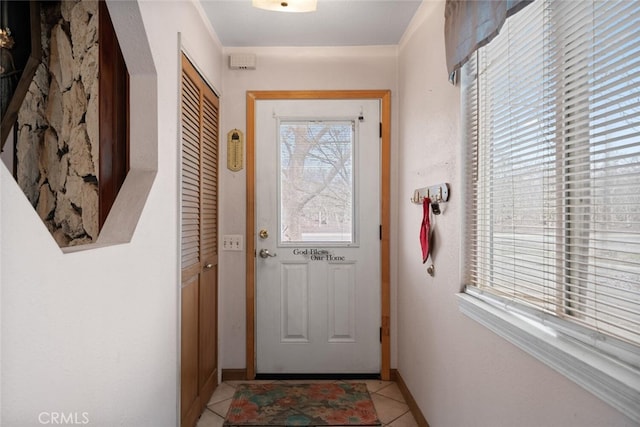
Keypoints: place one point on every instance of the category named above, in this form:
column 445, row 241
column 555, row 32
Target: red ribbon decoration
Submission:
column 425, row 229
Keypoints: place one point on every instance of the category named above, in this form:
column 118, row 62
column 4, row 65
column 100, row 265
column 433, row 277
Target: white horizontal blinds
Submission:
column 516, row 218
column 602, row 167
column 469, row 88
column 555, row 167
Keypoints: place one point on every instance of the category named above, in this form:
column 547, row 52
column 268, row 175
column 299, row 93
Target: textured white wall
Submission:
column 459, row 373
column 284, row 69
column 96, row 331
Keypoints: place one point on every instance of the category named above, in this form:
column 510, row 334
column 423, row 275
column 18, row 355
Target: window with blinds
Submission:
column 552, row 116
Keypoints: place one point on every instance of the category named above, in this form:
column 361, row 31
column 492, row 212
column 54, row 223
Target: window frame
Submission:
column 607, row 367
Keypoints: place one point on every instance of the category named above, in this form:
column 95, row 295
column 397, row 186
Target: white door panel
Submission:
column 317, row 197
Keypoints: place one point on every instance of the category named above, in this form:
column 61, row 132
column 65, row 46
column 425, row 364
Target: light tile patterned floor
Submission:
column 387, row 398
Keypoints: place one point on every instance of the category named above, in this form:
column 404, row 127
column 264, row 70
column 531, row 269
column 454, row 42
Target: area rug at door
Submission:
column 281, row 404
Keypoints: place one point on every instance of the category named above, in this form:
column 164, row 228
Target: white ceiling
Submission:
column 335, row 23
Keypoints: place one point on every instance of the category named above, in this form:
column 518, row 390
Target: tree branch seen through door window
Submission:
column 316, row 183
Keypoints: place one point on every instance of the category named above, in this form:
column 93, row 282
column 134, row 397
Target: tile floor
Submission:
column 387, row 398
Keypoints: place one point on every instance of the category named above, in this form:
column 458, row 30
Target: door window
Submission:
column 316, row 184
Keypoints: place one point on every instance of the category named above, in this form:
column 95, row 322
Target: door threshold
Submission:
column 374, row 376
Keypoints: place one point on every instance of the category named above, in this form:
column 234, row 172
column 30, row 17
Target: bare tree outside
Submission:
column 316, row 182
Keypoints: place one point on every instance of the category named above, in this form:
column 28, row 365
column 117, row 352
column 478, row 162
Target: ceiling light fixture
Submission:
column 286, row 5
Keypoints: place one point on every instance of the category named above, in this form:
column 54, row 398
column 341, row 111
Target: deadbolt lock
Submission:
column 263, row 234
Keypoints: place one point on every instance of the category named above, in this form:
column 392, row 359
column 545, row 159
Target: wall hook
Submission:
column 437, row 193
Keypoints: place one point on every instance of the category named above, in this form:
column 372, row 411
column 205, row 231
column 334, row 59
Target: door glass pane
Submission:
column 316, row 181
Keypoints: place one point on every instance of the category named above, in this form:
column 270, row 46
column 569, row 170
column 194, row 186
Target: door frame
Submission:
column 385, row 211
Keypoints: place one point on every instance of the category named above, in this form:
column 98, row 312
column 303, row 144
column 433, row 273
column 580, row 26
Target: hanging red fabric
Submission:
column 425, row 229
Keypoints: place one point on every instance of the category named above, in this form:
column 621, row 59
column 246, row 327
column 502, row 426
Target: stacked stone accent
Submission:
column 57, row 144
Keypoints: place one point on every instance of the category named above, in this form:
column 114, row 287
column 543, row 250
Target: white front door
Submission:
column 318, row 236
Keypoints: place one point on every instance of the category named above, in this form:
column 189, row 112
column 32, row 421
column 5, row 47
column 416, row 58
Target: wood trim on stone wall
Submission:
column 114, row 116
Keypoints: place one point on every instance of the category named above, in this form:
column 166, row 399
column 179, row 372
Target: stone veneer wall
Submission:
column 57, row 143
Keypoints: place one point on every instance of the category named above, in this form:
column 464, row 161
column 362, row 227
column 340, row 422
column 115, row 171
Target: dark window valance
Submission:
column 470, row 24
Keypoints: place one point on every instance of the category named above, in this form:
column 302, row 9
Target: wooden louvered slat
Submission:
column 191, row 183
column 188, row 169
column 191, row 135
column 190, row 152
column 190, row 214
column 191, row 209
column 209, row 167
column 189, row 172
column 191, row 131
column 209, row 186
column 190, row 194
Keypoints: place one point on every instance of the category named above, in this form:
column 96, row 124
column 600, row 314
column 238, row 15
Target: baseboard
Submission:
column 234, row 374
column 413, row 406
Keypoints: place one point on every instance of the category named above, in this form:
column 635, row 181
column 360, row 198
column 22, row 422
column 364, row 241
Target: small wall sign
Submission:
column 318, row 254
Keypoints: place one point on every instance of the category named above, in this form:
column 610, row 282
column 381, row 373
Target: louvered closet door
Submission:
column 199, row 244
column 209, row 244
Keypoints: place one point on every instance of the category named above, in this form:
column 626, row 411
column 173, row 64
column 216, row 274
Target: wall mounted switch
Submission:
column 232, row 242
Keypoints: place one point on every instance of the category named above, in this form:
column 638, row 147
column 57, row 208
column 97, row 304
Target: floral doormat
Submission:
column 277, row 404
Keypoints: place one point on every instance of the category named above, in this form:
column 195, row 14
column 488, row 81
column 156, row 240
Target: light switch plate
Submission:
column 232, row 242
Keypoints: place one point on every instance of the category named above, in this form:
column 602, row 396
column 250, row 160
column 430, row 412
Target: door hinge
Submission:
column 380, row 231
column 380, row 129
column 380, row 333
